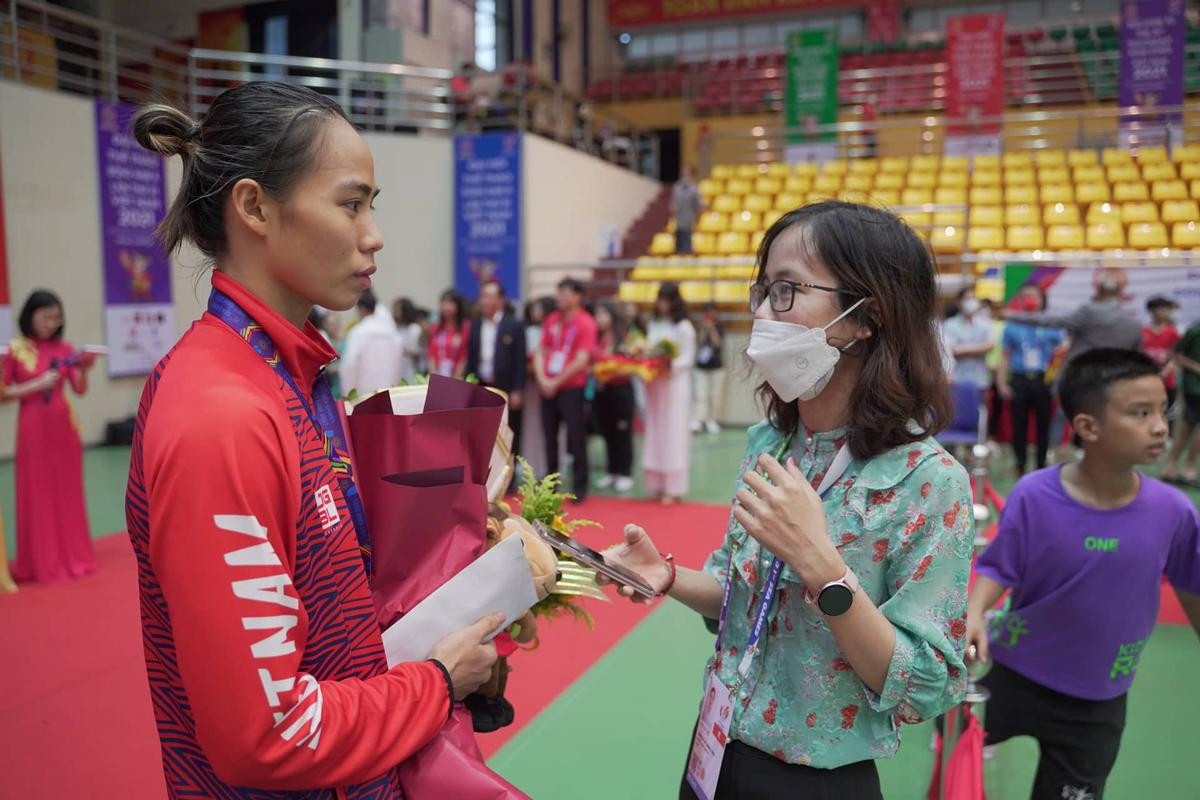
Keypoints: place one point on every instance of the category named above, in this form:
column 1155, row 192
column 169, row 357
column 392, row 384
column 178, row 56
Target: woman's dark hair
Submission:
column 669, row 291
column 547, row 304
column 39, row 299
column 460, row 304
column 263, row 130
column 619, row 326
column 404, row 311
column 873, row 255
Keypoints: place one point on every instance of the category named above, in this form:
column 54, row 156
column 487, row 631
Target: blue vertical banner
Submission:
column 1152, row 62
column 487, row 211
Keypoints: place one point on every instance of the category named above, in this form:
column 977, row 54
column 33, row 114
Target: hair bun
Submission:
column 166, row 130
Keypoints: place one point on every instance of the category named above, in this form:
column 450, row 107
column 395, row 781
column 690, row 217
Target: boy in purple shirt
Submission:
column 1083, row 547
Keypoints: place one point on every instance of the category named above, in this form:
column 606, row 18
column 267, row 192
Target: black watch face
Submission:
column 835, row 600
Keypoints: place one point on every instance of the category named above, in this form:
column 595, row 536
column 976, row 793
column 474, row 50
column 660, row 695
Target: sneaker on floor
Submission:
column 604, row 481
column 696, row 425
column 623, row 483
column 712, row 427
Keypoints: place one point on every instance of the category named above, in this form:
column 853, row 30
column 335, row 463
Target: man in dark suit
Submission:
column 496, row 351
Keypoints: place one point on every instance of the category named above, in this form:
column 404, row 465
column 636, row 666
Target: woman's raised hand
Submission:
column 638, row 554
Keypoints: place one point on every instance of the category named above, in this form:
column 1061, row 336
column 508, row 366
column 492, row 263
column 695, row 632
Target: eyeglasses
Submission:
column 782, row 294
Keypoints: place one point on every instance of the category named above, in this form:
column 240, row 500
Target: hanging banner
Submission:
column 139, row 317
column 636, row 13
column 6, row 319
column 883, row 21
column 1152, row 39
column 811, row 93
column 1067, row 288
column 974, row 83
column 487, row 212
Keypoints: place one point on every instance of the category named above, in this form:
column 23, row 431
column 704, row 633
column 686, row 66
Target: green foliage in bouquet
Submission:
column 666, row 348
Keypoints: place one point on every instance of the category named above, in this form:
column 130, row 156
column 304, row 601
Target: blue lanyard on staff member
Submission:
column 840, row 462
column 325, row 420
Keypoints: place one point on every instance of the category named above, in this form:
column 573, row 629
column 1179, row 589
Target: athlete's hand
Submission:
column 467, row 658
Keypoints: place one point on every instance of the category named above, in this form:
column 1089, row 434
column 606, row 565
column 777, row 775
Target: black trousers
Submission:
column 567, row 407
column 515, row 417
column 1078, row 739
column 750, row 774
column 1030, row 392
column 613, row 407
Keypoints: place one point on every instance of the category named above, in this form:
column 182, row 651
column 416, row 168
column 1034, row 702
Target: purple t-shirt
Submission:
column 1085, row 582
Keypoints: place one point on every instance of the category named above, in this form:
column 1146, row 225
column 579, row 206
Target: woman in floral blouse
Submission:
column 865, row 628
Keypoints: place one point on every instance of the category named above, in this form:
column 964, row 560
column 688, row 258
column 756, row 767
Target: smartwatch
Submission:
column 835, row 597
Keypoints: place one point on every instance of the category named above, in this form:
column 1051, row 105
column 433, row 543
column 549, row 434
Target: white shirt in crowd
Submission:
column 374, row 356
column 487, row 346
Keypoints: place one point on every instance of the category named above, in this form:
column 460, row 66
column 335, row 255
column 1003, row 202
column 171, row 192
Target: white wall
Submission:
column 52, row 221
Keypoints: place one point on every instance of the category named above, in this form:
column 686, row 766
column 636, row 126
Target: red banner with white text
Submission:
column 635, row 13
column 975, row 83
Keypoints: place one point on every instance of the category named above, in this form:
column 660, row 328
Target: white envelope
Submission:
column 499, row 580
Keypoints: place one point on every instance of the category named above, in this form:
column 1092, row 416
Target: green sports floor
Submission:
column 567, row 750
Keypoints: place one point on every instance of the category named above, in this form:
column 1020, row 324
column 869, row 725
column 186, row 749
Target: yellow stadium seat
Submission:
column 922, row 180
column 858, row 182
column 885, row 197
column 1058, row 193
column 986, row 163
column 985, row 237
column 836, row 167
column 1147, row 235
column 663, row 244
column 1180, row 211
column 1168, row 190
column 630, row 292
column 1020, row 194
column 985, row 177
column 757, row 202
column 1018, row 177
column 741, row 272
column 1025, row 237
column 945, row 218
column 893, row 164
column 955, row 164
column 767, row 185
column 713, row 222
column 1123, row 173
column 1185, row 234
column 1064, row 237
column 733, row 243
column 1189, row 170
column 829, row 184
column 710, row 187
column 1022, row 214
column 694, row 272
column 1060, row 214
column 946, row 239
column 1050, row 157
column 806, row 169
column 746, row 222
column 786, row 201
column 1186, row 152
column 1080, row 158
column 1195, row 188
column 738, row 186
column 889, row 180
column 731, row 292
column 952, row 179
column 986, row 195
column 864, row 166
column 1115, row 155
column 817, row 197
column 1016, row 160
column 1092, row 192
column 1105, row 236
column 769, row 218
column 704, row 243
column 778, row 169
column 989, row 216
column 1162, row 171
column 854, row 196
column 925, row 163
column 1048, row 175
column 1138, row 211
column 1130, row 191
column 726, row 203
column 796, row 184
column 1153, row 155
column 913, row 196
column 722, row 172
column 1106, row 213
column 1093, row 173
column 756, row 240
column 696, row 291
column 950, row 195
column 746, row 172
column 920, row 220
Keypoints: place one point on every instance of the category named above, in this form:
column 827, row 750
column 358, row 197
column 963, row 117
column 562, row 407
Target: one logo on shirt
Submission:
column 1126, row 661
column 327, row 508
column 1101, row 544
column 1007, row 628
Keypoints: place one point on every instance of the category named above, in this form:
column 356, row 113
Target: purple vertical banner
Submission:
column 139, row 315
column 1152, row 38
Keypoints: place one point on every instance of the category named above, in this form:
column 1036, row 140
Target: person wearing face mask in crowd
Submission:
column 1026, row 351
column 968, row 336
column 839, row 591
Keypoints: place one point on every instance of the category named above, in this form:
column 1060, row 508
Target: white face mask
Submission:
column 796, row 360
column 970, row 306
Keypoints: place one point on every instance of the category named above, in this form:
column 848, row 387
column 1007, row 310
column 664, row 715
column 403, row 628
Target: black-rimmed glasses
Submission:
column 782, row 293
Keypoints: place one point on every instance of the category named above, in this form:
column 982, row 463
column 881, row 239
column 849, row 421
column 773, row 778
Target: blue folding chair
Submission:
column 969, row 424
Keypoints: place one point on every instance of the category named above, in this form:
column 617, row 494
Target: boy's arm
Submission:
column 1189, row 364
column 985, row 593
column 1191, row 607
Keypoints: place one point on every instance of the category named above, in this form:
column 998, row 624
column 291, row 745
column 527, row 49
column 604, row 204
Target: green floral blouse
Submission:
column 903, row 522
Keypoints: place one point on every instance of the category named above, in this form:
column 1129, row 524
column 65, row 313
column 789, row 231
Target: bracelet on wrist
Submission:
column 670, row 561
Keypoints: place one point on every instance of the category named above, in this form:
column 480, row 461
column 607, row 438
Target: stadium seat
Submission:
column 858, row 182
column 1162, row 171
column 726, row 203
column 946, row 239
column 950, row 195
column 985, row 237
column 1123, row 173
column 1083, row 157
column 914, row 196
column 955, row 164
column 1050, row 157
column 733, row 243
column 746, row 222
column 942, row 219
column 710, row 187
column 885, row 198
column 1115, row 155
column 1092, row 192
column 769, row 218
column 952, row 179
column 1016, row 160
column 739, row 272
column 1189, row 170
column 796, row 184
column 1057, row 174
column 1130, row 191
column 1168, row 190
column 1060, row 214
column 836, row 167
column 889, row 180
column 1195, row 188
column 1156, row 154
column 1104, row 213
column 986, row 163
column 918, row 220
column 985, row 177
column 1020, row 194
column 1064, row 237
column 778, row 169
column 746, row 172
column 663, row 244
column 722, row 172
column 817, row 197
column 806, row 169
column 1148, row 235
column 757, row 202
column 1058, row 193
column 786, row 201
column 922, row 180
column 731, row 292
column 985, row 195
column 738, row 186
column 1186, row 152
column 756, row 240
column 991, row 216
column 924, row 163
column 827, row 184
column 767, row 185
column 704, row 243
column 1025, row 237
column 696, row 291
column 864, row 166
column 893, row 164
column 1022, row 214
column 713, row 222
column 1186, row 234
column 1105, row 236
column 1018, row 177
column 1138, row 211
column 1180, row 211
column 1093, row 173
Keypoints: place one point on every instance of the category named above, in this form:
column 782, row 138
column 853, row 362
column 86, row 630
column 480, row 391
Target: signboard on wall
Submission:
column 139, row 318
column 811, row 98
column 487, row 211
column 635, row 13
column 1067, row 288
column 974, row 83
column 1152, row 38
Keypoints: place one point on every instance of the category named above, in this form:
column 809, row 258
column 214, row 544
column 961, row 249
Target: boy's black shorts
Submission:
column 1191, row 408
column 1078, row 739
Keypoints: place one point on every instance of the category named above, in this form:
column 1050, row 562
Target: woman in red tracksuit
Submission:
column 266, row 668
